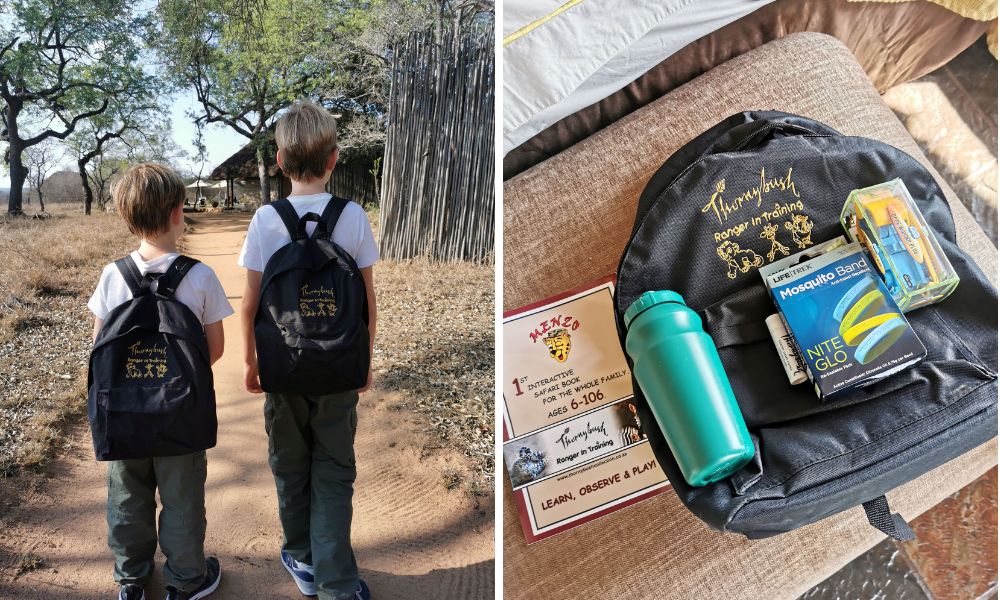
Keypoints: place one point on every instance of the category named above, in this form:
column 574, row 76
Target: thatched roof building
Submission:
column 353, row 177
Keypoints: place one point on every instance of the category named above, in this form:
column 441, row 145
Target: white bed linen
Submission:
column 560, row 56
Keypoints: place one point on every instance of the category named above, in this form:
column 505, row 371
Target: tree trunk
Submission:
column 41, row 202
column 15, row 158
column 88, row 196
column 262, row 168
column 18, row 175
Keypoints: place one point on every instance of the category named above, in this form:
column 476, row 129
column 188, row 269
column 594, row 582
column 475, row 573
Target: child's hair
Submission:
column 145, row 195
column 306, row 136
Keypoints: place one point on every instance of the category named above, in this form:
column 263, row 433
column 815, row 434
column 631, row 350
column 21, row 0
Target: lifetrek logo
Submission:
column 812, row 284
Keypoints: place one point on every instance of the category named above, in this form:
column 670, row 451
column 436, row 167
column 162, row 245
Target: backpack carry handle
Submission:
column 325, row 223
column 306, row 218
column 139, row 284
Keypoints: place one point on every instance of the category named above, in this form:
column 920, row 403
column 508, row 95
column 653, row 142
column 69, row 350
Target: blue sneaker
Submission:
column 213, row 575
column 301, row 573
column 362, row 592
column 131, row 591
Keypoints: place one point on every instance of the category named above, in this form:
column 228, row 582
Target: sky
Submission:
column 220, row 140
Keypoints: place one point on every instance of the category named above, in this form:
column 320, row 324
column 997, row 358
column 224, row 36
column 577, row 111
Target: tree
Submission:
column 61, row 62
column 245, row 60
column 132, row 114
column 40, row 160
column 117, row 154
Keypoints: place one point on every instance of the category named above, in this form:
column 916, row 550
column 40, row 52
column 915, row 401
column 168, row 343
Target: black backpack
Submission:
column 311, row 326
column 150, row 386
column 705, row 223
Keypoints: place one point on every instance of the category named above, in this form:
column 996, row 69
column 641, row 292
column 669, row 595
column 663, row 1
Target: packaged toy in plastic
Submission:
column 885, row 220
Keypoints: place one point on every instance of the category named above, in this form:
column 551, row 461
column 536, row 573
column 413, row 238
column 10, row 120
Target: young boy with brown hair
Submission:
column 150, row 199
column 310, row 437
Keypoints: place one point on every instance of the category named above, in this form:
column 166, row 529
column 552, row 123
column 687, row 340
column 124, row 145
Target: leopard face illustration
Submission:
column 558, row 342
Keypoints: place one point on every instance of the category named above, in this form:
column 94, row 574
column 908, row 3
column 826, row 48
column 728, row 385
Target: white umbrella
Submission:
column 201, row 183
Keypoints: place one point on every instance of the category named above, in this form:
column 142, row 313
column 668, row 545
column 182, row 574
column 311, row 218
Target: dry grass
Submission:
column 47, row 272
column 435, row 341
column 435, row 344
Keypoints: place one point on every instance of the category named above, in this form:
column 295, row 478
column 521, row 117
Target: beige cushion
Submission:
column 566, row 222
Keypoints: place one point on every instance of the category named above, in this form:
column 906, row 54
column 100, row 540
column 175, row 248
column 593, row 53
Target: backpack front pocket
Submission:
column 802, row 441
column 138, row 421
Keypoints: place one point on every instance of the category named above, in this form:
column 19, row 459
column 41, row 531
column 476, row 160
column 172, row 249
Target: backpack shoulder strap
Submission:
column 167, row 283
column 331, row 214
column 288, row 216
column 137, row 284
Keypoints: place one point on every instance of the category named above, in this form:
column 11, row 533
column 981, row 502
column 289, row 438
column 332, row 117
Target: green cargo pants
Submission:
column 311, row 453
column 132, row 533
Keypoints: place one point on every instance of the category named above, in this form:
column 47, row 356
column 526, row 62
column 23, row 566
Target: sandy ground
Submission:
column 413, row 538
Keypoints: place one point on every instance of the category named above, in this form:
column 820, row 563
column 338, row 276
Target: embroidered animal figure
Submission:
column 559, row 343
column 801, row 228
column 737, row 258
column 770, row 233
column 132, row 370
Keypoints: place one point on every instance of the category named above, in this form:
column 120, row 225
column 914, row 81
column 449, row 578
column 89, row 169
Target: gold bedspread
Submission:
column 980, row 10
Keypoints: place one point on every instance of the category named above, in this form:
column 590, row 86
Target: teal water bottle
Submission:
column 681, row 375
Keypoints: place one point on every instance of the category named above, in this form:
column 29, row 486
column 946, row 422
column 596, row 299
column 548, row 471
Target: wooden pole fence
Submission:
column 437, row 195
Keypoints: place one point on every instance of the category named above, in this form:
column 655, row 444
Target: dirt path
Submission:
column 413, row 538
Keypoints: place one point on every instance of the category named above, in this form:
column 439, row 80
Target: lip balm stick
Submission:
column 788, row 352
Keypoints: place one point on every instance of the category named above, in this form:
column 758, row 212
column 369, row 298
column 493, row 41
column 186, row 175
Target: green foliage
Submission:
column 63, row 62
column 67, row 56
column 244, row 70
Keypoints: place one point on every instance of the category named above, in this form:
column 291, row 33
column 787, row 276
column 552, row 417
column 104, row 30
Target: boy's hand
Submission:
column 251, row 380
column 368, row 383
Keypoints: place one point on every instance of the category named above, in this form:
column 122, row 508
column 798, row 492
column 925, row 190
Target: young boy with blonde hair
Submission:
column 150, row 198
column 310, row 437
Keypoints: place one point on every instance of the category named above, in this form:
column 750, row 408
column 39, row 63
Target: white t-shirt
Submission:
column 267, row 232
column 200, row 289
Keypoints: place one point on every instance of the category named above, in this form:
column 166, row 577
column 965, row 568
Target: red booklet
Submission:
column 574, row 447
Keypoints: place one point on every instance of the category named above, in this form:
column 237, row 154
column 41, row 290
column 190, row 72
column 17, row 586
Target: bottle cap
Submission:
column 648, row 300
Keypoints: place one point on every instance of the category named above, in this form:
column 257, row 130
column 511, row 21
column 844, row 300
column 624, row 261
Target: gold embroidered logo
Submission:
column 737, row 258
column 770, row 233
column 559, row 343
column 146, row 362
column 801, row 228
column 722, row 209
column 747, row 213
column 317, row 302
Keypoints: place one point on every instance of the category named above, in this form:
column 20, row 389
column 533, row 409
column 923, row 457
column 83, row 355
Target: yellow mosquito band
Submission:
column 871, row 304
column 860, row 331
